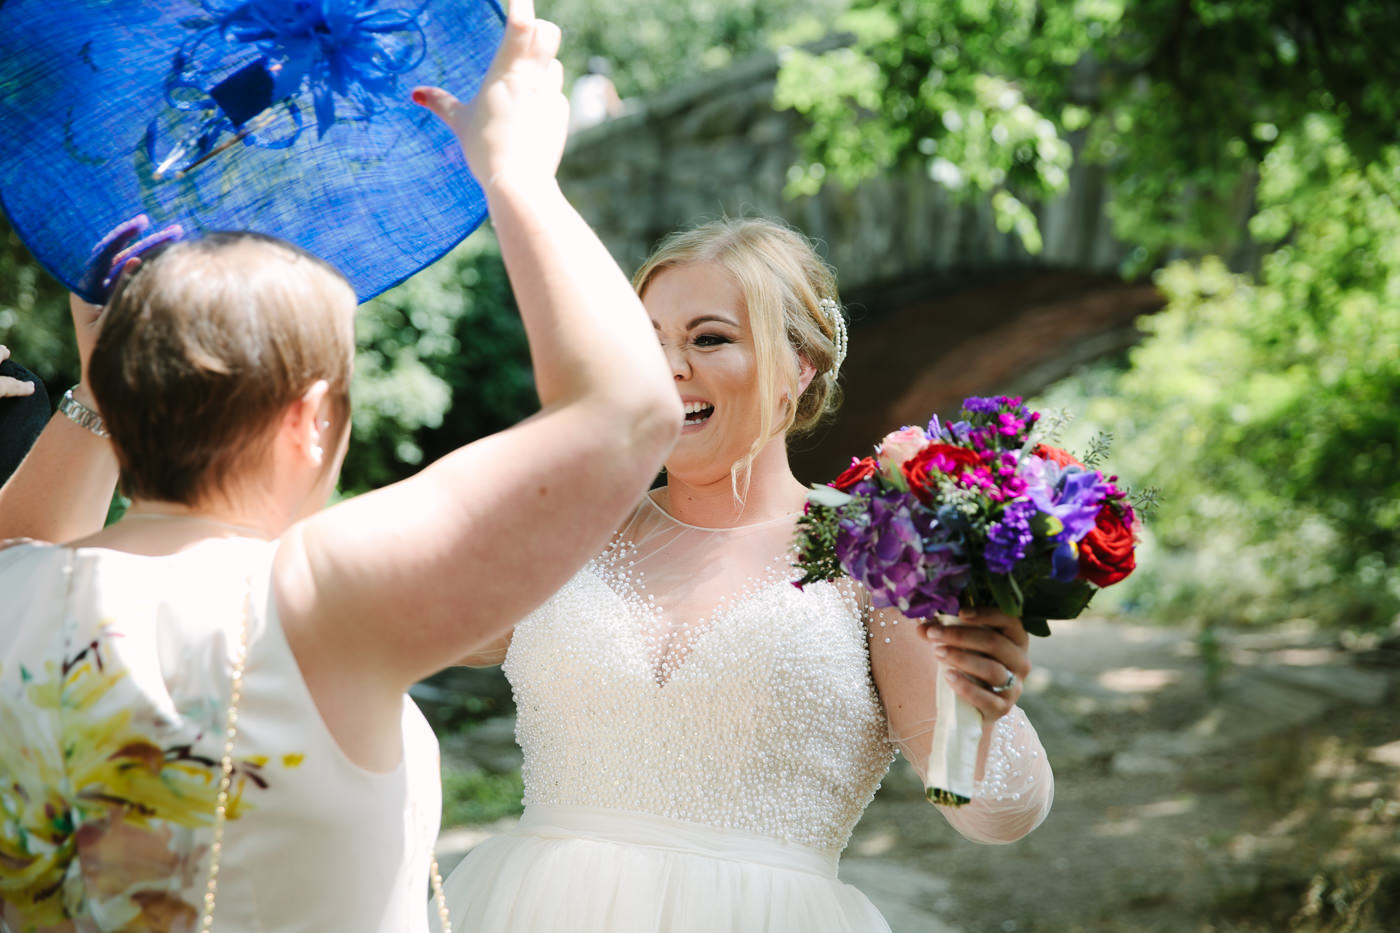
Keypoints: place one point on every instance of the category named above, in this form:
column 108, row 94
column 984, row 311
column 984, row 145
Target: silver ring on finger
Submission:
column 1010, row 682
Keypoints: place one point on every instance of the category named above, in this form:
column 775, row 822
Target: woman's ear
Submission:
column 806, row 372
column 305, row 422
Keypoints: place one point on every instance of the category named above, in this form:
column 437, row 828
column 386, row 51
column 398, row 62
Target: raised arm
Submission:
column 391, row 586
column 62, row 489
column 1015, row 785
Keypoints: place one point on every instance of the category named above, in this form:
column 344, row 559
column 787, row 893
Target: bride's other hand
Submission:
column 517, row 123
column 986, row 651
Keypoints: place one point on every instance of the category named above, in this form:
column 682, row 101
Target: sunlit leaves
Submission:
column 1180, row 101
column 1266, row 409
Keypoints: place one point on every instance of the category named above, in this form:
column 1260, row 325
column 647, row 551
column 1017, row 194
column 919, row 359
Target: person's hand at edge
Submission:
column 9, row 386
column 516, row 125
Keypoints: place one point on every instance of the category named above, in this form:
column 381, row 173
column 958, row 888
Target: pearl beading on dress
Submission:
column 758, row 716
column 1007, row 775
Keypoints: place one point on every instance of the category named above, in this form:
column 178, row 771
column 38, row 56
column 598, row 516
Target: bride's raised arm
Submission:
column 1015, row 785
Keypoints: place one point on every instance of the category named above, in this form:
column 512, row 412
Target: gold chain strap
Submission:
column 438, row 897
column 216, row 845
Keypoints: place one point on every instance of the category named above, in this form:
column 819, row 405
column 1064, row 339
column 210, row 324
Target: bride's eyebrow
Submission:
column 706, row 318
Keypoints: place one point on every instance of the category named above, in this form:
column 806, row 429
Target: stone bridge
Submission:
column 943, row 305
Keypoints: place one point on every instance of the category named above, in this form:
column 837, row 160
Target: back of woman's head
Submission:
column 790, row 294
column 202, row 349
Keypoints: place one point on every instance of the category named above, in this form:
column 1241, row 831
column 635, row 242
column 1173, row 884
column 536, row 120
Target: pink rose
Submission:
column 897, row 447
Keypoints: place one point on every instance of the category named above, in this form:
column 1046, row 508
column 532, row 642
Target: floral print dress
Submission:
column 115, row 675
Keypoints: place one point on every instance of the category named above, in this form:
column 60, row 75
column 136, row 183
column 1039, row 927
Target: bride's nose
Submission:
column 676, row 359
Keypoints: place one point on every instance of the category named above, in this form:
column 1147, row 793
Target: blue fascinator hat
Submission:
column 287, row 117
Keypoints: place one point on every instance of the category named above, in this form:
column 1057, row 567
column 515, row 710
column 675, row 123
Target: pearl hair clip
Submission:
column 839, row 338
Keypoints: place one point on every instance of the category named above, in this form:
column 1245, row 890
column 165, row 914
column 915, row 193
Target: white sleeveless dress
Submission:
column 700, row 738
column 114, row 686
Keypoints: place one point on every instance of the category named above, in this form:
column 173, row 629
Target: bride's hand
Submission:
column 986, row 654
column 516, row 125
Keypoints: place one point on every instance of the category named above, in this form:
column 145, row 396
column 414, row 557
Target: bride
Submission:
column 700, row 736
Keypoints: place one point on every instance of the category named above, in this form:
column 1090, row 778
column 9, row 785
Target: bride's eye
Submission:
column 711, row 340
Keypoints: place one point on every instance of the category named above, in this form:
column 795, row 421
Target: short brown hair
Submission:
column 204, row 346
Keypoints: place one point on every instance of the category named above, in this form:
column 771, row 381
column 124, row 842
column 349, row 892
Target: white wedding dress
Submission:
column 700, row 738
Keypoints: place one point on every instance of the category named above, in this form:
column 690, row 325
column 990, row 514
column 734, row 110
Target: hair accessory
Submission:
column 839, row 338
column 291, row 119
column 81, row 415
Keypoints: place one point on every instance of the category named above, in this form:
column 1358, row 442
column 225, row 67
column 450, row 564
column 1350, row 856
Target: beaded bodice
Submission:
column 681, row 674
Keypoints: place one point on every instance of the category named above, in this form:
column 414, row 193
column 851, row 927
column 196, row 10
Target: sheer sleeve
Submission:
column 1015, row 785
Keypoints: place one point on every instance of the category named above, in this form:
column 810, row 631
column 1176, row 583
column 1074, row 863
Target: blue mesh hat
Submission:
column 288, row 117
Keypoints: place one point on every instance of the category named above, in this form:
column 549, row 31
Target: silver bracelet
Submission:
column 81, row 415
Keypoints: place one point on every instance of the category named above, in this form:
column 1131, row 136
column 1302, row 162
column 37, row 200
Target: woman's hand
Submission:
column 517, row 123
column 9, row 386
column 986, row 656
column 116, row 254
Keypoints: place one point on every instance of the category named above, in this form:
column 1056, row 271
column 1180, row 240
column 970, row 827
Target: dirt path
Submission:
column 1175, row 809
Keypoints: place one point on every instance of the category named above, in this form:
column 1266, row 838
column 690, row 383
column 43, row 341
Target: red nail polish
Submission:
column 420, row 96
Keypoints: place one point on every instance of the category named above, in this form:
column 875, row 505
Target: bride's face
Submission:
column 703, row 325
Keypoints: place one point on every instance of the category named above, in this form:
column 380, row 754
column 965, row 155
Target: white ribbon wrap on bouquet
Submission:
column 952, row 760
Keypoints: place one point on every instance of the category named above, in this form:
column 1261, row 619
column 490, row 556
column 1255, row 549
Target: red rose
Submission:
column 1063, row 457
column 857, row 471
column 944, row 458
column 1106, row 553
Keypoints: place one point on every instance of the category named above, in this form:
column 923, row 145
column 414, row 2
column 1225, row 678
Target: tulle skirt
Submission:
column 597, row 870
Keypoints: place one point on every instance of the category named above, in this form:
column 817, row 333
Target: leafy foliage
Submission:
column 1266, row 408
column 1180, row 99
column 474, row 796
column 651, row 45
column 441, row 361
column 34, row 320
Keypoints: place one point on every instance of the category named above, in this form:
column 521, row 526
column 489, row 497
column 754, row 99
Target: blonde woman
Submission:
column 203, row 717
column 700, row 736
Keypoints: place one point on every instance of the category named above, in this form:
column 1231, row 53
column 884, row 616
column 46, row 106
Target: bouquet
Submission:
column 976, row 513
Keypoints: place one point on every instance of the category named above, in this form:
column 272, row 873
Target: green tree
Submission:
column 651, row 46
column 1181, row 99
column 34, row 321
column 1265, row 407
column 441, row 361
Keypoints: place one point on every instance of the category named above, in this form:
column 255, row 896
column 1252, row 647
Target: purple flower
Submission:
column 918, row 570
column 1009, row 539
column 989, row 405
column 1072, row 495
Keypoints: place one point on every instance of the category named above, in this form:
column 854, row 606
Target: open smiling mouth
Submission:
column 698, row 413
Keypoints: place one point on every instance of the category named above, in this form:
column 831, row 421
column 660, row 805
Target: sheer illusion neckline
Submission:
column 785, row 517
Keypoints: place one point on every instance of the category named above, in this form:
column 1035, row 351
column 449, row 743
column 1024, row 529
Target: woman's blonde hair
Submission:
column 204, row 346
column 785, row 285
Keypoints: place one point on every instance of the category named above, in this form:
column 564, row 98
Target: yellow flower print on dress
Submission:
column 84, row 773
